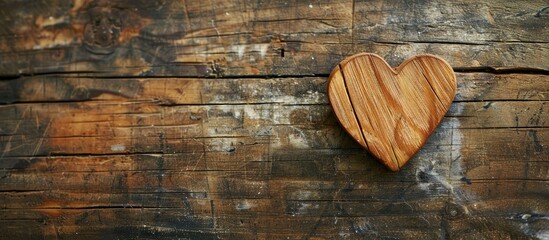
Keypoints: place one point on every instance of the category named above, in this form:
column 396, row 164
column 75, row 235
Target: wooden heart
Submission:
column 391, row 112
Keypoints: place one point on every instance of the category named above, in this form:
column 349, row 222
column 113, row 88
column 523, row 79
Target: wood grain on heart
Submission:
column 391, row 112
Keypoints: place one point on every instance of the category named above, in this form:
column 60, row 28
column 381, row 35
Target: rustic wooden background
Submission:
column 210, row 120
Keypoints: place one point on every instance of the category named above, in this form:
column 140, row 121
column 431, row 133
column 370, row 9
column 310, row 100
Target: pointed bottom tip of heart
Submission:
column 393, row 168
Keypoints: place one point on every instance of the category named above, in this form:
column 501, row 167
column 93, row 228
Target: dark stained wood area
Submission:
column 210, row 120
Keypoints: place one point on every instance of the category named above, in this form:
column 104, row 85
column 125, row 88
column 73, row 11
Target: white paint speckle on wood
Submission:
column 239, row 50
column 543, row 235
column 299, row 139
column 118, row 148
column 244, row 205
column 261, row 49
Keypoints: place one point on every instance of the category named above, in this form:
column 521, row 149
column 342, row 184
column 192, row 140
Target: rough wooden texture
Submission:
column 391, row 112
column 112, row 125
column 235, row 38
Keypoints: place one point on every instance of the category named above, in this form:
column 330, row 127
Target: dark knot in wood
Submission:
column 58, row 54
column 453, row 210
column 80, row 93
column 101, row 33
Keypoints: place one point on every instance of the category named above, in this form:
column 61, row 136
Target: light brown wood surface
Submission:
column 391, row 112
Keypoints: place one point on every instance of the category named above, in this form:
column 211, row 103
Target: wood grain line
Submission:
column 360, row 125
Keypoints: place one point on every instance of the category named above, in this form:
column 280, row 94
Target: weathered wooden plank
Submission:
column 469, row 34
column 480, row 22
column 497, row 227
column 518, row 212
column 503, row 87
column 306, row 90
column 133, row 162
column 334, row 206
column 99, row 223
column 105, row 182
column 58, row 199
column 292, row 227
column 121, row 127
column 346, row 204
column 234, row 38
column 241, row 175
column 504, row 217
column 171, row 38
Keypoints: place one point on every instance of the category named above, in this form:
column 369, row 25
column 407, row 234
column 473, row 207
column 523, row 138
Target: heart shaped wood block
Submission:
column 391, row 112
